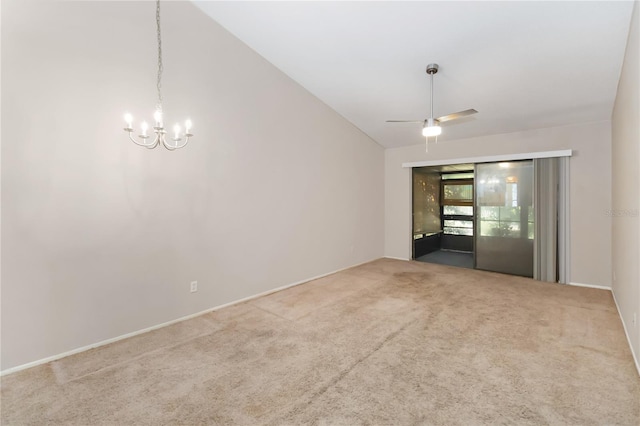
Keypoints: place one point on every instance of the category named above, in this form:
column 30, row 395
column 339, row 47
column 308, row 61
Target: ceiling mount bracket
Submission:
column 432, row 69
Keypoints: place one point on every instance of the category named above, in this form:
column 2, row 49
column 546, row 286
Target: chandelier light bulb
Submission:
column 187, row 126
column 129, row 120
column 144, row 126
column 158, row 117
column 176, row 130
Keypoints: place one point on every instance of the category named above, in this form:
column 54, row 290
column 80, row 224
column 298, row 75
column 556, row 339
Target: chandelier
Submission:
column 179, row 139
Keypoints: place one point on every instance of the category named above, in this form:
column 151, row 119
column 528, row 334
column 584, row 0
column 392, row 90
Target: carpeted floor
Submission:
column 386, row 343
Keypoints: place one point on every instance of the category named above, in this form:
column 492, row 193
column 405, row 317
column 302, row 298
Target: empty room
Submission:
column 320, row 212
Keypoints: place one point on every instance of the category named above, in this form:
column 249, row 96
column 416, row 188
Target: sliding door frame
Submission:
column 564, row 237
column 490, row 158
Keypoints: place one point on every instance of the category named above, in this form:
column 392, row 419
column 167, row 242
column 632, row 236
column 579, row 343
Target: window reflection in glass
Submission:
column 458, row 192
column 458, row 231
column 458, row 210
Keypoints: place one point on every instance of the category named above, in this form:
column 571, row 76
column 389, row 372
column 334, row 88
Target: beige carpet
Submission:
column 386, row 343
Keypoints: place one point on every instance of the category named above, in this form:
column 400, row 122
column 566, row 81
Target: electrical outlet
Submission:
column 194, row 286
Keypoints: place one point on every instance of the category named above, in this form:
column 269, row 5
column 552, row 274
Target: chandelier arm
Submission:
column 172, row 147
column 139, row 143
column 186, row 141
column 132, row 139
column 167, row 146
column 156, row 141
column 160, row 135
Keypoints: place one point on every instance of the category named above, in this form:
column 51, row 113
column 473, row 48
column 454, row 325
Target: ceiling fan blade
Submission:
column 405, row 121
column 456, row 115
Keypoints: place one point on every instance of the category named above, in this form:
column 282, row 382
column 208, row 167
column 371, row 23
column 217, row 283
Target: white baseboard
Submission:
column 601, row 287
column 396, row 258
column 165, row 324
column 624, row 326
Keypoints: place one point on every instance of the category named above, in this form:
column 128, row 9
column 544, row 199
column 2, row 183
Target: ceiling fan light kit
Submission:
column 431, row 126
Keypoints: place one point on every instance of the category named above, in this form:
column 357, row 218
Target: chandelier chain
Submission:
column 160, row 66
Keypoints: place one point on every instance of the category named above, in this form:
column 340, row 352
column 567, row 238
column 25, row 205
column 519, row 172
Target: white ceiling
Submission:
column 522, row 65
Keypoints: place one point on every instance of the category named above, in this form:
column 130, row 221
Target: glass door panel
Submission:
column 426, row 212
column 504, row 225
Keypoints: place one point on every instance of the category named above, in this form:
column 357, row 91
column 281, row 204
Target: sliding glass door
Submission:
column 505, row 217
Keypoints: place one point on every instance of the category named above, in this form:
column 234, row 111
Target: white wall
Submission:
column 101, row 237
column 626, row 188
column 590, row 176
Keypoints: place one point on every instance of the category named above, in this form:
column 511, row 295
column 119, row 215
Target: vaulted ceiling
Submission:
column 521, row 64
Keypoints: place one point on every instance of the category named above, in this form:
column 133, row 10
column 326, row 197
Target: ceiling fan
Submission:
column 431, row 126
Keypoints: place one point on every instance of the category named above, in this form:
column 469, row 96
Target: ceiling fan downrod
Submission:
column 431, row 70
